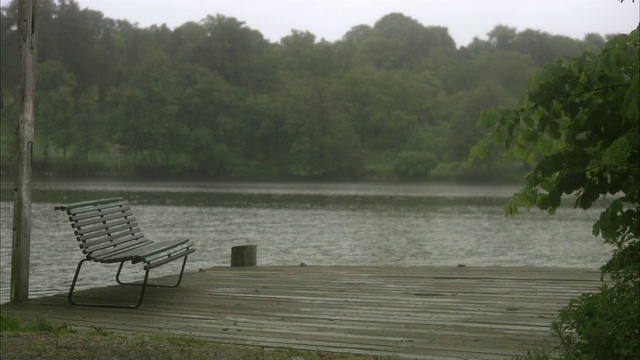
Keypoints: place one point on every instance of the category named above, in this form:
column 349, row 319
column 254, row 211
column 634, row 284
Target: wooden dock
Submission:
column 408, row 312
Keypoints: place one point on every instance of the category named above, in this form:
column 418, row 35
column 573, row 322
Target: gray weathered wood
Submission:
column 408, row 312
column 244, row 255
column 21, row 241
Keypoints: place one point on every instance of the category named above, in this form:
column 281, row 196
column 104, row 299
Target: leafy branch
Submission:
column 590, row 148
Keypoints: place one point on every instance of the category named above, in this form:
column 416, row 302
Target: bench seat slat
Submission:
column 85, row 206
column 111, row 230
column 152, row 248
column 110, row 237
column 163, row 247
column 123, row 253
column 166, row 253
column 118, row 241
column 88, row 215
column 102, row 219
column 170, row 259
column 87, row 232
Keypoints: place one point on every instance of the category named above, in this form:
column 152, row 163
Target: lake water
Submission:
column 311, row 223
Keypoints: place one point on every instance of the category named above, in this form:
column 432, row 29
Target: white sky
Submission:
column 331, row 19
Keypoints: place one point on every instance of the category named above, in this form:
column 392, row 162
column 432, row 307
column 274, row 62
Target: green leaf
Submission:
column 544, row 203
column 510, row 209
column 480, row 150
column 541, row 77
column 489, row 118
column 520, row 151
column 596, row 228
column 529, row 121
column 545, row 145
column 498, row 137
column 531, row 159
column 529, row 135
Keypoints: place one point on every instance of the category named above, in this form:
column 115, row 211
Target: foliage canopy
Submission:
column 579, row 124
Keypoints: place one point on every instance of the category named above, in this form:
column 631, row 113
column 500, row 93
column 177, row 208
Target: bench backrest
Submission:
column 104, row 227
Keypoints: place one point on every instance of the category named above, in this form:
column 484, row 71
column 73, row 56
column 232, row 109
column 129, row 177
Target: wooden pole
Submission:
column 27, row 31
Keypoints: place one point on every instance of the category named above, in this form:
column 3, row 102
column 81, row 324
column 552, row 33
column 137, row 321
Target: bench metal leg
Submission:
column 184, row 262
column 75, row 279
column 144, row 285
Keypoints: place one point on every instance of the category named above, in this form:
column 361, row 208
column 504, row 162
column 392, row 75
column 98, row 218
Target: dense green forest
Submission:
column 215, row 99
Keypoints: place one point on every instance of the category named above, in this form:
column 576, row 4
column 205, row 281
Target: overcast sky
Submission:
column 331, row 19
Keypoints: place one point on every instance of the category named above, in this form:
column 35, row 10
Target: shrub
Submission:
column 602, row 325
column 414, row 164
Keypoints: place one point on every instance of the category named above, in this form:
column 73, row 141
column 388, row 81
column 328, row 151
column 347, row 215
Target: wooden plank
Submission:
column 408, row 312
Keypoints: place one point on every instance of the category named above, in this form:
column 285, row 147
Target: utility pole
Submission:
column 20, row 252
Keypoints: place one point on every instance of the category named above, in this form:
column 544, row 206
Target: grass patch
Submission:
column 42, row 339
column 38, row 324
column 546, row 352
column 180, row 340
column 10, row 324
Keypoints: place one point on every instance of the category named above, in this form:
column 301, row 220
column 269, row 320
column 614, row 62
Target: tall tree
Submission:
column 323, row 142
column 230, row 43
column 77, row 34
column 414, row 40
column 9, row 54
column 148, row 108
column 55, row 108
column 304, row 57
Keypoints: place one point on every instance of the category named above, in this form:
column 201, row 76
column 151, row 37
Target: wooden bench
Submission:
column 107, row 232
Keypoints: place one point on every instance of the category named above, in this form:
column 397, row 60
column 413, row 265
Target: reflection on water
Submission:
column 321, row 224
column 301, row 188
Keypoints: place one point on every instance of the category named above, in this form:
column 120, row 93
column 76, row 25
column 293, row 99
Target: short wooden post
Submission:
column 245, row 255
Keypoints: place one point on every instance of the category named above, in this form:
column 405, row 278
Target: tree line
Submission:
column 214, row 98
